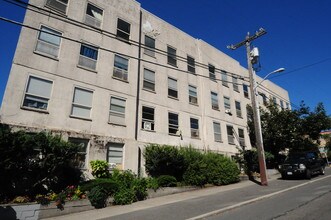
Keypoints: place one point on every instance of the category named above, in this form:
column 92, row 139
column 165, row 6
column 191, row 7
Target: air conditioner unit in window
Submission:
column 147, row 125
column 228, row 111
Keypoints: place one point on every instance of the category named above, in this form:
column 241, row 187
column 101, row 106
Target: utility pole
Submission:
column 256, row 111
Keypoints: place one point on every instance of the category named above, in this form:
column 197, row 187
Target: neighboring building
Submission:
column 90, row 76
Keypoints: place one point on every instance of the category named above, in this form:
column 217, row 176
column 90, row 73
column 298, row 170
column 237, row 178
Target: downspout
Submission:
column 138, row 94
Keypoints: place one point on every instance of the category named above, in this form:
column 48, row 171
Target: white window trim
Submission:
column 80, row 105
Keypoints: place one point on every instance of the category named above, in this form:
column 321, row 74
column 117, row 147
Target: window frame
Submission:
column 241, row 136
column 36, row 96
column 230, row 134
column 119, row 72
column 227, row 102
column 86, row 142
column 224, row 79
column 172, row 91
column 148, row 120
column 122, row 34
column 54, row 33
column 149, row 81
column 83, row 57
column 235, row 84
column 92, row 20
column 193, row 94
column 245, row 90
column 238, row 110
column 217, row 135
column 149, row 49
column 214, row 101
column 51, row 6
column 190, row 64
column 117, row 117
column 212, row 74
column 173, row 126
column 81, row 106
column 172, row 56
column 194, row 130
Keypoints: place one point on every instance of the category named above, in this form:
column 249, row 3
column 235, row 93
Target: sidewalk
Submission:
column 157, row 201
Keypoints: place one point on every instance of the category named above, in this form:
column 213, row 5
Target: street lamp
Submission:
column 275, row 71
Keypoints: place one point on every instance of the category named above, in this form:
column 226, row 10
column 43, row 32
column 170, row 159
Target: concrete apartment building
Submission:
column 113, row 77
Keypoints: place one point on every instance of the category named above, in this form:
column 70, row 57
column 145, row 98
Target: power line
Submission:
column 109, row 34
column 115, row 52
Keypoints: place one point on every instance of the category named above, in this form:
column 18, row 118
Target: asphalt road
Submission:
column 310, row 201
column 282, row 199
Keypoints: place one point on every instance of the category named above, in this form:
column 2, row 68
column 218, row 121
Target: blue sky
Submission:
column 298, row 38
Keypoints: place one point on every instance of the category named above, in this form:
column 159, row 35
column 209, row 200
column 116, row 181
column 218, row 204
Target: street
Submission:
column 283, row 199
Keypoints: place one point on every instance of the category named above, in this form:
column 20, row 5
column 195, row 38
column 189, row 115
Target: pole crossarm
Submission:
column 248, row 39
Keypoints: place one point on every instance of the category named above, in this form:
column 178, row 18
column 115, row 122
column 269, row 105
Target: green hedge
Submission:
column 193, row 167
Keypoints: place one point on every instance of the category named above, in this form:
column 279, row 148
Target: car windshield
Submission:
column 295, row 158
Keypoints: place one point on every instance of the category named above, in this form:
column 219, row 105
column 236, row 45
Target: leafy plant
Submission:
column 100, row 168
column 98, row 197
column 124, row 196
column 167, row 181
column 152, row 183
column 109, row 185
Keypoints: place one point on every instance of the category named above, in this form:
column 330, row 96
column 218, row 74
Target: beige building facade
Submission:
column 113, row 77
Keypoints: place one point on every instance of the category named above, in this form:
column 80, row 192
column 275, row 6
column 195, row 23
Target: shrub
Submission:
column 221, row 170
column 124, row 196
column 167, row 181
column 98, row 197
column 196, row 168
column 140, row 189
column 109, row 185
column 152, row 183
column 32, row 164
column 100, row 169
column 163, row 160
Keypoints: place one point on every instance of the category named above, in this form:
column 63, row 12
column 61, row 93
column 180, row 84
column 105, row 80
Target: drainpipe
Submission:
column 138, row 94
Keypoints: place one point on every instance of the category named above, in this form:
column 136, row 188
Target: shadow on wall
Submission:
column 8, row 213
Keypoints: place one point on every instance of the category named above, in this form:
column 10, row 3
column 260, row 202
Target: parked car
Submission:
column 302, row 164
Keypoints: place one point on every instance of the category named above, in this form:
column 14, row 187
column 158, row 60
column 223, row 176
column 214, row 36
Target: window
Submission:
column 193, row 97
column 238, row 109
column 274, row 99
column 123, row 29
column 212, row 75
column 287, row 105
column 229, row 130
column 224, row 79
column 80, row 159
column 115, row 155
column 148, row 118
column 173, row 123
column 149, row 46
column 49, row 41
column 214, row 101
column 82, row 103
column 241, row 137
column 117, row 110
column 264, row 98
column 172, row 59
column 245, row 88
column 194, row 127
column 190, row 64
column 281, row 104
column 217, row 132
column 235, row 84
column 121, row 66
column 149, row 80
column 93, row 15
column 88, row 56
column 60, row 5
column 38, row 93
column 172, row 88
column 227, row 103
